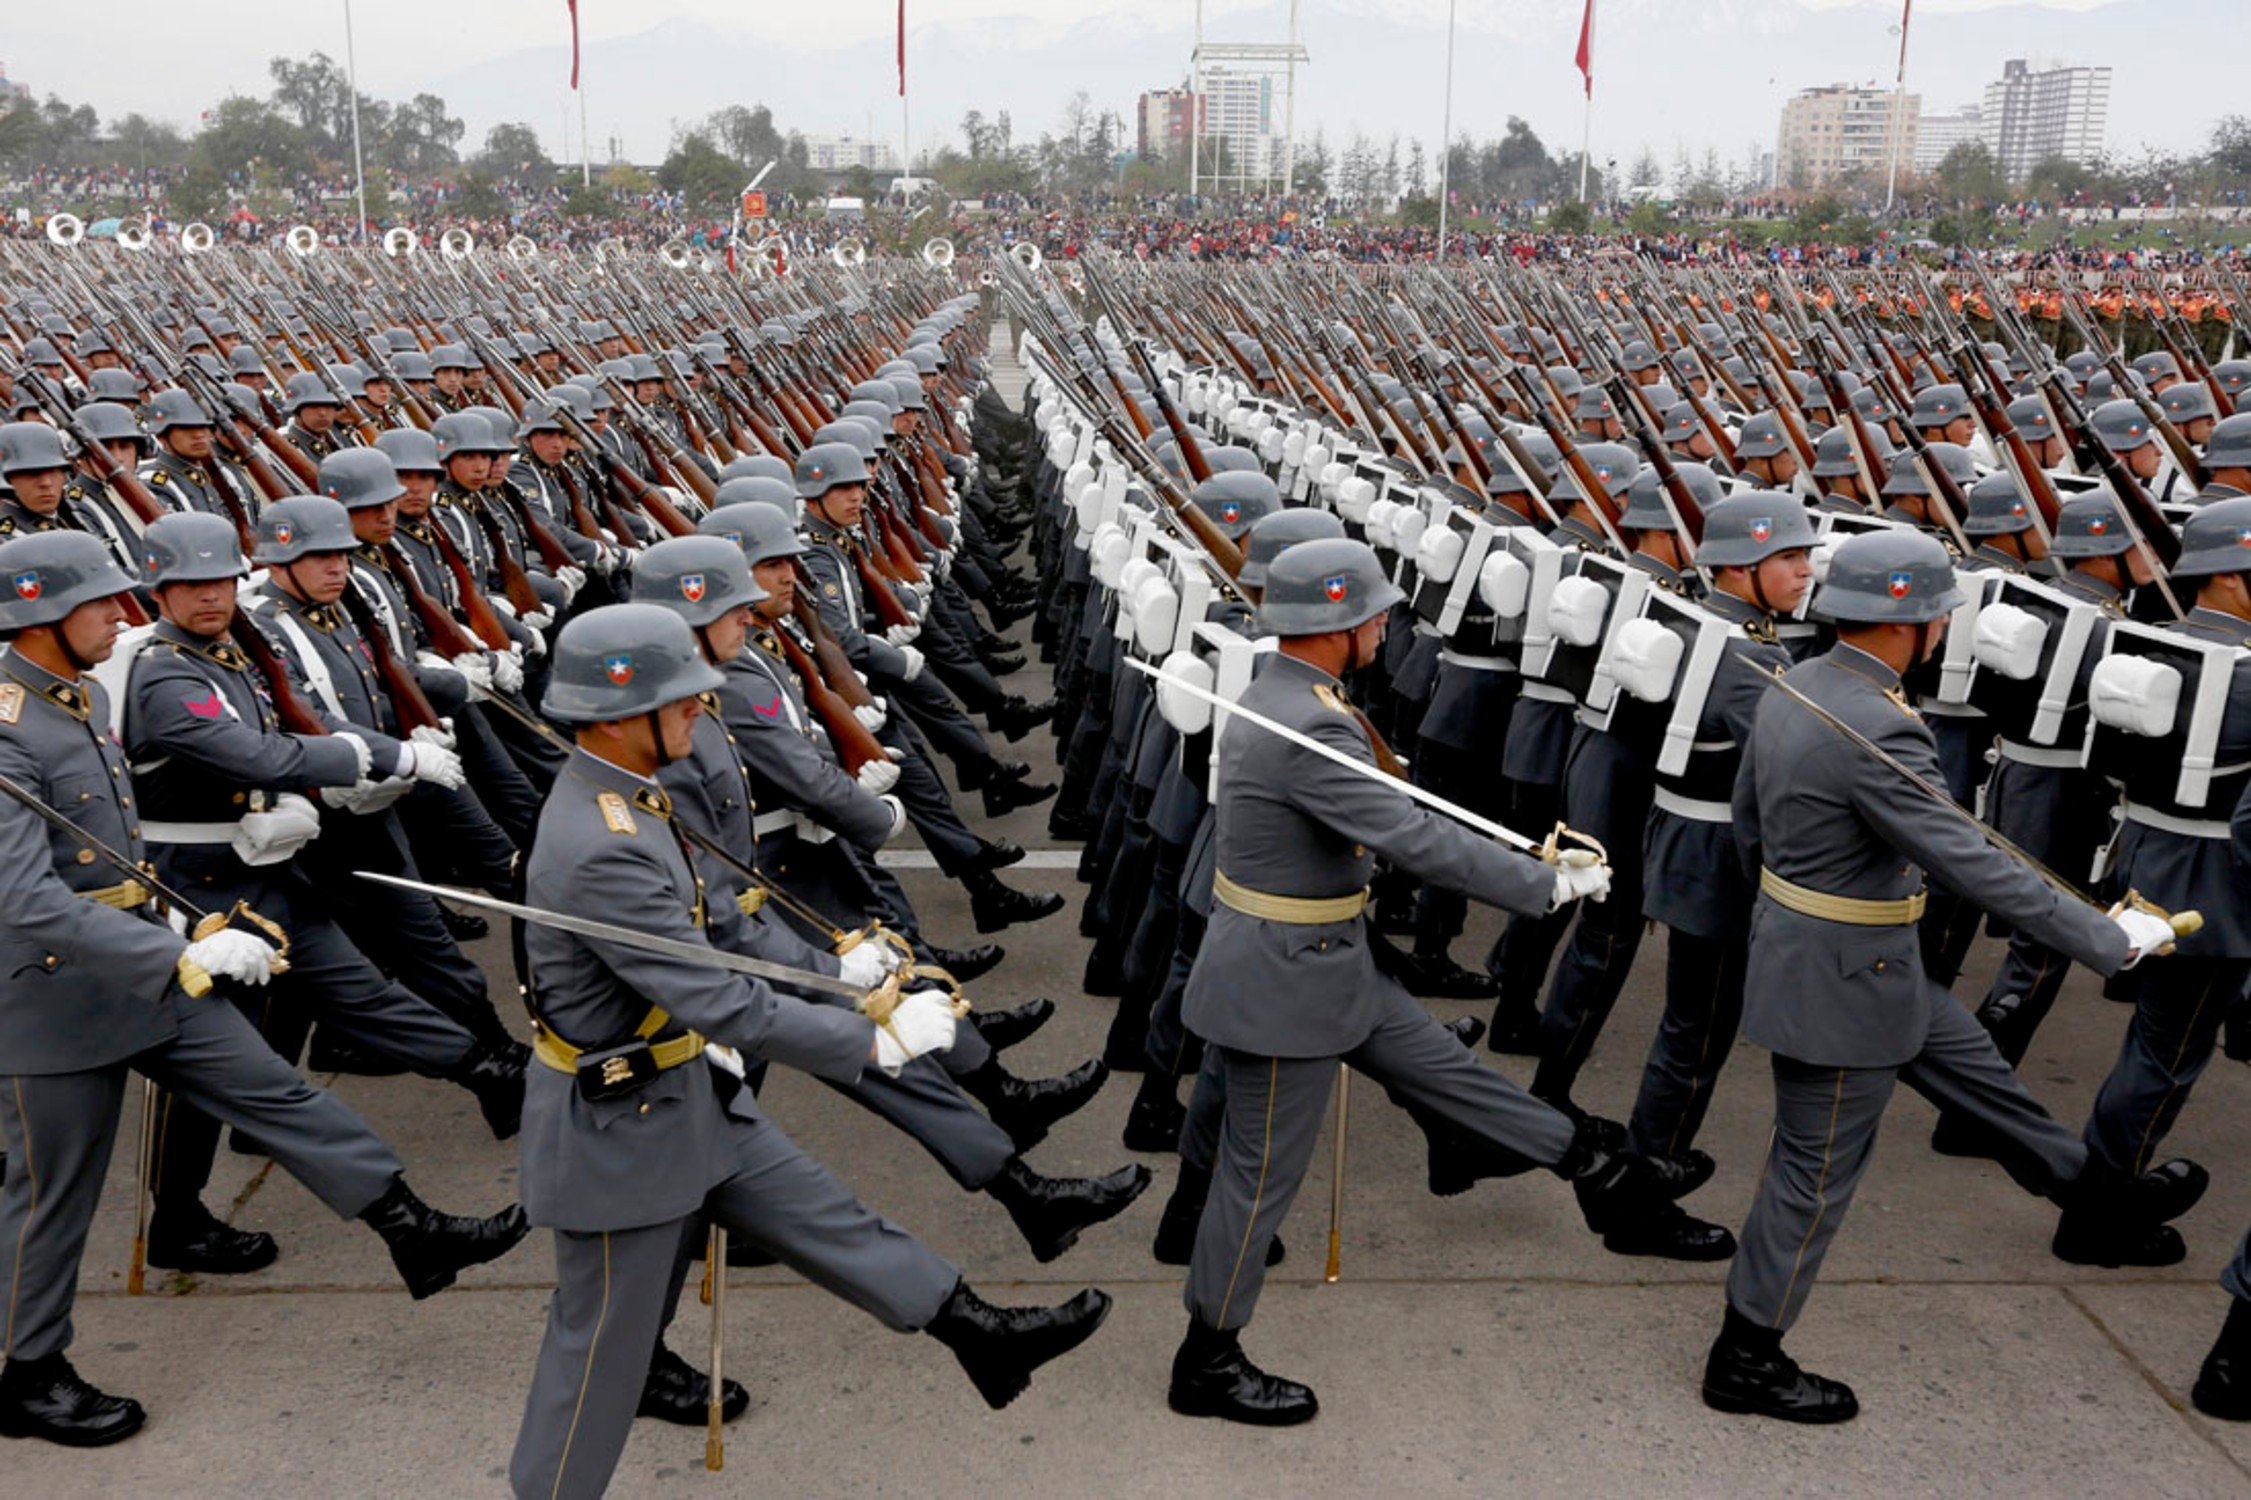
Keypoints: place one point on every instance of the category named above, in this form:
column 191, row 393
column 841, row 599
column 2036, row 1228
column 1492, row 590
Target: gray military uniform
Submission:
column 618, row 1179
column 1286, row 999
column 1846, row 1007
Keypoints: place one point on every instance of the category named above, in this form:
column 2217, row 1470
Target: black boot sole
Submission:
column 66, row 1438
column 1804, row 1416
column 1197, row 1405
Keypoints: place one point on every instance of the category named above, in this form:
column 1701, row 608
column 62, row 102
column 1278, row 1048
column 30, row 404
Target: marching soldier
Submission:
column 179, row 471
column 99, row 983
column 1836, row 988
column 637, row 1118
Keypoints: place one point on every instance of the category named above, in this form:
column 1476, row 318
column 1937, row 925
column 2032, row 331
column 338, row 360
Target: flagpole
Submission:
column 1586, row 127
column 1446, row 140
column 352, row 82
column 1898, row 99
column 906, row 131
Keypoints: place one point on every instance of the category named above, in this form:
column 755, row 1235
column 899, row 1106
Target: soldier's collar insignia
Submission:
column 616, row 816
column 652, row 800
column 1330, row 698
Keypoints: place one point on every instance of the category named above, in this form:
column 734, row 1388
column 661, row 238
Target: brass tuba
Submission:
column 457, row 244
column 938, row 253
column 135, row 237
column 400, row 241
column 1026, row 254
column 302, row 240
column 848, row 255
column 197, row 238
column 675, row 254
column 523, row 247
column 65, row 229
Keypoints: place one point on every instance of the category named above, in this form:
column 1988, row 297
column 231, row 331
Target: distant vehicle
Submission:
column 845, row 210
column 908, row 189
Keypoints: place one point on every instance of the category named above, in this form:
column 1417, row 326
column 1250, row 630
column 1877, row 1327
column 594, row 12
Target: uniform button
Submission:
column 1879, row 966
column 85, row 856
column 85, row 796
column 50, row 961
column 1322, row 946
column 241, row 797
column 124, row 802
column 644, row 1109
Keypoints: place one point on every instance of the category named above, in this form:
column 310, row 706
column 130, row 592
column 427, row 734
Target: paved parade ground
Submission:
column 1481, row 1344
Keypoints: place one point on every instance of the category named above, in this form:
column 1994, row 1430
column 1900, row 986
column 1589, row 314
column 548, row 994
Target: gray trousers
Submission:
column 1274, row 1109
column 614, row 1290
column 60, row 1128
column 1703, row 1010
column 1825, row 1121
column 927, row 1104
column 2179, row 1004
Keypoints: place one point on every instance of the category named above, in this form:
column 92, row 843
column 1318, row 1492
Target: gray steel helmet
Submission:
column 401, row 340
column 2156, row 365
column 462, row 432
column 759, row 489
column 1906, row 476
column 1593, row 405
column 1899, row 577
column 645, row 367
column 1762, row 436
column 762, row 530
column 698, row 578
column 51, row 573
column 1742, row 530
column 360, row 478
column 874, row 414
column 928, row 359
column 2082, row 362
column 1236, row 501
column 1997, row 507
column 28, row 447
column 1870, row 403
column 1231, row 458
column 1937, row 405
column 1637, row 355
column 1614, row 464
column 823, row 466
column 244, row 359
column 1319, row 586
column 2229, row 446
column 2216, row 539
column 1832, row 452
column 751, row 465
column 875, row 390
column 539, row 416
column 190, row 546
column 1506, row 481
column 114, row 385
column 1271, row 534
column 410, row 450
column 175, row 408
column 624, row 660
column 300, row 526
column 348, row 379
column 2189, row 401
column 2103, row 386
column 854, row 433
column 1568, row 382
column 306, row 388
column 2091, row 524
column 2029, row 416
column 1645, row 502
column 413, row 366
column 501, row 424
column 907, row 393
column 110, row 422
column 452, row 357
column 2121, row 426
column 2234, row 376
column 583, row 400
column 1681, row 421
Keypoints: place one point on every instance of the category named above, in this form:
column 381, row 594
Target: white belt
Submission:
column 2195, row 828
column 1694, row 808
column 783, row 820
column 1477, row 663
column 1949, row 710
column 2042, row 755
column 1547, row 692
column 189, row 833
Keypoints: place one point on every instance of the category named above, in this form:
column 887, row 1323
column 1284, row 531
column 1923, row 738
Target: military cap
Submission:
column 114, row 385
column 1645, row 503
column 2121, row 426
column 2029, row 416
column 1613, row 465
column 110, row 422
column 175, row 408
column 360, row 478
column 1937, row 405
column 825, row 465
column 412, row 365
column 764, row 529
column 302, row 526
column 410, row 450
column 2216, row 539
column 2091, row 524
column 307, row 388
column 1907, row 475
column 757, row 463
column 1236, row 501
column 2229, row 446
column 30, row 447
column 2156, row 365
column 1762, row 436
column 462, row 432
column 2188, row 401
column 1270, row 534
column 1997, row 507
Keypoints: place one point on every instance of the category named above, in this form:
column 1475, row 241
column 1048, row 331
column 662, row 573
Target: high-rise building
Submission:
column 1836, row 131
column 1162, row 121
column 2038, row 110
column 1239, row 112
column 1936, row 135
column 838, row 153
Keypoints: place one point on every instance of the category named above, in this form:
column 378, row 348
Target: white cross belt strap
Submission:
column 2195, row 828
column 2042, row 755
column 155, row 832
column 1694, row 808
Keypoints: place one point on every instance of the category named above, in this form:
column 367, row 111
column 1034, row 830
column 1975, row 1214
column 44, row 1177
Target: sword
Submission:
column 1545, row 850
column 2184, row 923
column 629, row 937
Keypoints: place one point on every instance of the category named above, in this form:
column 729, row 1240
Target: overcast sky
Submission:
column 1674, row 74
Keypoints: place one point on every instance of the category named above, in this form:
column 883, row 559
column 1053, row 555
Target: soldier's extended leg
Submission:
column 1703, row 1009
column 1960, row 1070
column 1521, row 955
column 1273, row 1114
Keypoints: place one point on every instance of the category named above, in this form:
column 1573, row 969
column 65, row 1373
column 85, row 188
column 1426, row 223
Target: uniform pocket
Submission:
column 654, row 1101
column 1316, row 939
column 1877, row 952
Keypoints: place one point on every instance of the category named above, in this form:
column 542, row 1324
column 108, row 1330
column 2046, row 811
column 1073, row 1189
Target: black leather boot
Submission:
column 2223, row 1386
column 998, row 854
column 1003, row 1029
column 1028, row 1107
column 1747, row 1373
column 1050, row 1212
column 677, row 1392
column 495, row 1074
column 1153, row 1124
column 1212, row 1377
column 994, row 905
column 430, row 1248
column 44, row 1398
column 966, row 964
column 183, row 1236
column 1000, row 1347
column 1678, row 1176
column 1003, row 795
column 1623, row 1202
column 1515, row 1028
column 1435, row 976
column 2110, row 1222
column 1016, row 717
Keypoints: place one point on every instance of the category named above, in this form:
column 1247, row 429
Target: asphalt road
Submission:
column 1475, row 1344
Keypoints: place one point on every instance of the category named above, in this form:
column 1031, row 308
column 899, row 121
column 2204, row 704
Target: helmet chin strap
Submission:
column 656, row 739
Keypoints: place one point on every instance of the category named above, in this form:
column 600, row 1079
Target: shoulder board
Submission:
column 11, row 702
column 1331, row 699
column 157, row 476
column 616, row 816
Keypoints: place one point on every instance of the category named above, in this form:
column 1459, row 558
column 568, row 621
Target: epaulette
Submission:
column 157, row 476
column 616, row 816
column 1332, row 700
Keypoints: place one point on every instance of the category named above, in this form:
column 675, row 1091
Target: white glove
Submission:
column 867, row 965
column 870, row 715
column 1579, row 875
column 477, row 667
column 430, row 661
column 502, row 606
column 359, row 748
column 898, row 817
column 536, row 619
column 508, row 668
column 900, row 635
column 228, row 954
column 536, row 646
column 922, row 1022
column 725, row 1059
column 914, row 662
column 424, row 760
column 877, row 777
column 573, row 578
column 2145, row 933
column 439, row 734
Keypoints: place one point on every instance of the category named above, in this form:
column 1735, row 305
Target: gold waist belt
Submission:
column 125, row 895
column 563, row 1057
column 1859, row 912
column 1307, row 911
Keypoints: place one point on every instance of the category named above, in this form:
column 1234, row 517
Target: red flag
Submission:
column 573, row 4
column 902, row 49
column 1585, row 55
